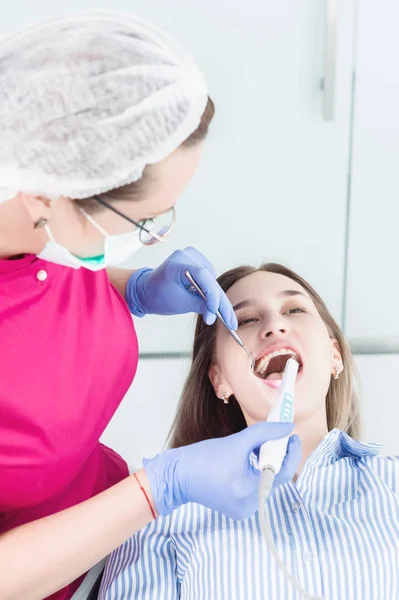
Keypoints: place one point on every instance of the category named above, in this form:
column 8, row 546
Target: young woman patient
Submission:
column 336, row 526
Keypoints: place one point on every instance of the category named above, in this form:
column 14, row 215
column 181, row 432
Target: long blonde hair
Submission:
column 201, row 415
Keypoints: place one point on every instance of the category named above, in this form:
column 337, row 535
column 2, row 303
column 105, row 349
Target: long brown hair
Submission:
column 201, row 415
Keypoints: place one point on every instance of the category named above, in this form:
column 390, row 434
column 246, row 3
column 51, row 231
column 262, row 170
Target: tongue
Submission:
column 273, row 376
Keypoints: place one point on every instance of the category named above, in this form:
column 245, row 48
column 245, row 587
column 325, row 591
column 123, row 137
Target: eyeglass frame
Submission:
column 141, row 224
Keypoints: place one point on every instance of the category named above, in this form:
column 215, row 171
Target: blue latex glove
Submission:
column 218, row 473
column 163, row 291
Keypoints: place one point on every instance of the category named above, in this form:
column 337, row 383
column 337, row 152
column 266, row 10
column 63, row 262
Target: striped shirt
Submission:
column 336, row 528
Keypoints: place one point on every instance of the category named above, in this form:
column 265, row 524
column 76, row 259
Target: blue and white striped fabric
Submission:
column 336, row 528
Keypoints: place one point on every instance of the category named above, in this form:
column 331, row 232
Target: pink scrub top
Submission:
column 68, row 354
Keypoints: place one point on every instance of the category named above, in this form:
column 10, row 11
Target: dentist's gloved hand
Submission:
column 218, row 473
column 164, row 290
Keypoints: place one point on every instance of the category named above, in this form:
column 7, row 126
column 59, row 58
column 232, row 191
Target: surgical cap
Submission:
column 90, row 99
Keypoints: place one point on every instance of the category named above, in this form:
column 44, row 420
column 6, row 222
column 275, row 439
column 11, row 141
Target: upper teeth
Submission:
column 263, row 362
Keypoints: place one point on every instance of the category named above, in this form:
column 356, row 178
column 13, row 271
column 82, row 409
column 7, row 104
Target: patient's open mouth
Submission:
column 270, row 367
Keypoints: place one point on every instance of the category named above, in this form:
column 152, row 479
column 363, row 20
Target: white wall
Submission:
column 380, row 399
column 373, row 281
column 140, row 426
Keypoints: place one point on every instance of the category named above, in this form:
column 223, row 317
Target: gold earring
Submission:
column 40, row 223
column 336, row 373
column 224, row 398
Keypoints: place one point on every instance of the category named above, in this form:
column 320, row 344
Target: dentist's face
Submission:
column 162, row 185
column 277, row 319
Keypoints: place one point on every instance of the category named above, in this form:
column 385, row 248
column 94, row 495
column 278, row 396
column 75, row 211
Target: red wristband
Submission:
column 146, row 496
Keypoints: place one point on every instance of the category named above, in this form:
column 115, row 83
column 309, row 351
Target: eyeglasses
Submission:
column 151, row 230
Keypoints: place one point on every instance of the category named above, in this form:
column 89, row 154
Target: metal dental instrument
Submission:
column 233, row 334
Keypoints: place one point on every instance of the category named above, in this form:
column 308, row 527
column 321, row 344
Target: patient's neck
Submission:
column 311, row 431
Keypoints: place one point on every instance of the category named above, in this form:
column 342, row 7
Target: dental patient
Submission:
column 336, row 525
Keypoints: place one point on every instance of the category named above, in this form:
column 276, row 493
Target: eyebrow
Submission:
column 283, row 294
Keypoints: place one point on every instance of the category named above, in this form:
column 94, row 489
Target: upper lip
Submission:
column 275, row 347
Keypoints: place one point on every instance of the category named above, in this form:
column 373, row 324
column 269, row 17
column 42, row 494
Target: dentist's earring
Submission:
column 40, row 223
column 224, row 398
column 336, row 373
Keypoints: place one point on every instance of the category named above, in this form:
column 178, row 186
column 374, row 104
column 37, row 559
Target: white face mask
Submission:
column 117, row 249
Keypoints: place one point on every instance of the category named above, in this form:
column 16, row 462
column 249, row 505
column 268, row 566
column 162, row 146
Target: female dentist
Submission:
column 102, row 119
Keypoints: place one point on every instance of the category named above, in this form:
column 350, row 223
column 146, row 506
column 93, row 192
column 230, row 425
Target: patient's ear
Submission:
column 221, row 387
column 337, row 361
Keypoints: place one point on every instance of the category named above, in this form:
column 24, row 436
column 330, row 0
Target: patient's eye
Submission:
column 247, row 320
column 296, row 310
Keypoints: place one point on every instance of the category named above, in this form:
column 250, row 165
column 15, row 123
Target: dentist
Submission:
column 102, row 122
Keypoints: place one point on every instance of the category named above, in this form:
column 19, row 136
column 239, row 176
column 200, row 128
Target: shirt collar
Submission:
column 337, row 444
column 13, row 265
